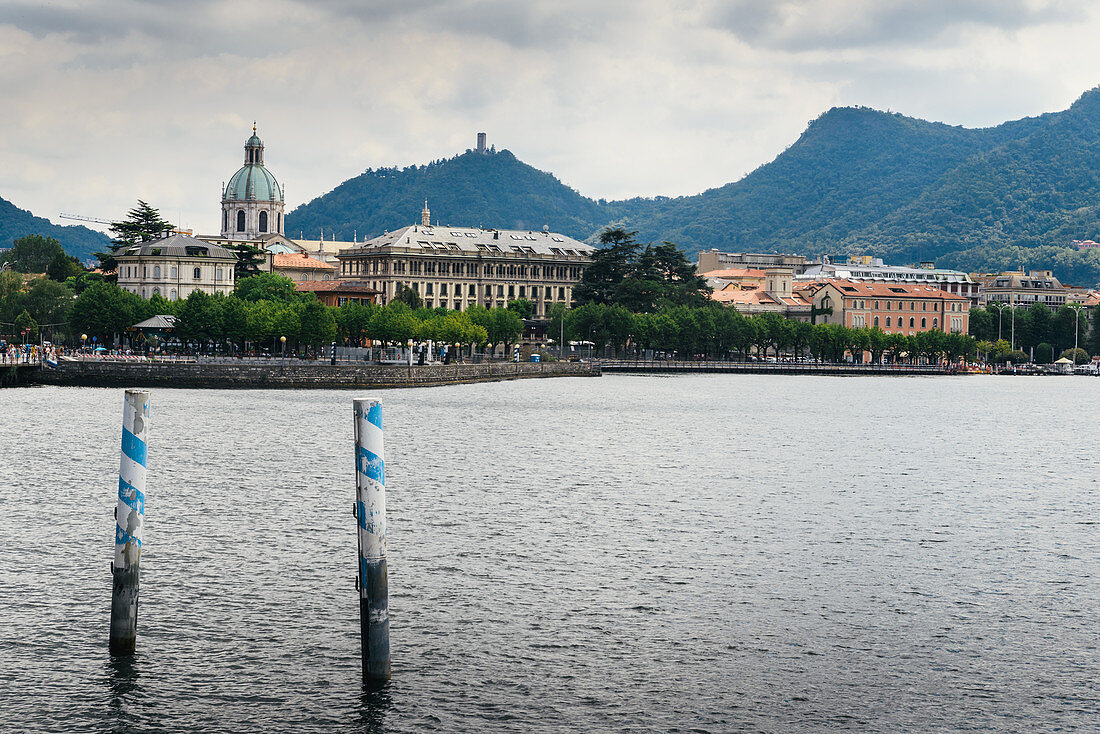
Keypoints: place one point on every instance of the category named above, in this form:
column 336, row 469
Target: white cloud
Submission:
column 109, row 102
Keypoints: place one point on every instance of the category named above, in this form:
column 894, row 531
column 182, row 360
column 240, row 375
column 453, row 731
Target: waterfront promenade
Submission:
column 775, row 368
column 289, row 374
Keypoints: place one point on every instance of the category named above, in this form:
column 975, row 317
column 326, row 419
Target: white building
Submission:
column 175, row 265
column 872, row 270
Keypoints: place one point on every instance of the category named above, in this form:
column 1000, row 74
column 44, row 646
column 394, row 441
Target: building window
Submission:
column 156, row 273
column 263, row 221
column 912, row 322
column 924, row 323
column 172, row 295
column 887, row 322
column 145, row 271
column 225, row 221
column 218, row 274
column 156, row 291
column 511, row 291
column 561, row 294
column 935, row 323
column 549, row 293
column 521, row 291
column 279, row 221
column 442, row 289
column 473, row 290
column 876, row 305
column 876, row 321
column 198, row 273
column 428, row 289
column 175, row 272
column 240, row 220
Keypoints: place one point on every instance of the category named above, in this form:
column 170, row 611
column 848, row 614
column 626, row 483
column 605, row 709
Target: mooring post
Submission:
column 129, row 519
column 370, row 511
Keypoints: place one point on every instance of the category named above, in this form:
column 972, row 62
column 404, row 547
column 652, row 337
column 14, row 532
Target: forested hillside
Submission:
column 80, row 242
column 489, row 190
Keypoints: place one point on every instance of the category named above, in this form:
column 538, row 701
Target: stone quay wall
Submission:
column 103, row 373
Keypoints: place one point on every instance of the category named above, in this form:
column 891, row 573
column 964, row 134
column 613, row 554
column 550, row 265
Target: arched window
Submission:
column 240, row 220
column 172, row 295
column 887, row 322
column 876, row 321
column 935, row 323
column 912, row 321
column 198, row 273
column 263, row 221
column 225, row 220
column 156, row 272
column 156, row 291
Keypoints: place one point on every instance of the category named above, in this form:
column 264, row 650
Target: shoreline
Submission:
column 296, row 376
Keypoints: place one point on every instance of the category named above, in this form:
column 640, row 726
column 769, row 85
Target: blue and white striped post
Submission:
column 370, row 511
column 129, row 519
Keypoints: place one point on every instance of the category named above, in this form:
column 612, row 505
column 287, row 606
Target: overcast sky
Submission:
column 108, row 102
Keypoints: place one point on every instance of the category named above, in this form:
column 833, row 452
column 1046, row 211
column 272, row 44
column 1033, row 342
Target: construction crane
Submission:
column 79, row 218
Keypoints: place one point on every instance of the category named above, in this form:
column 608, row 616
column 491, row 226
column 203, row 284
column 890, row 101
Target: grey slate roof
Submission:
column 177, row 245
column 160, row 321
column 474, row 240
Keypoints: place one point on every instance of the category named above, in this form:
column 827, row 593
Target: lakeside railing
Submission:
column 628, row 365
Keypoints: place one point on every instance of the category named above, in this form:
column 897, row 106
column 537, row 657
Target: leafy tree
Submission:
column 267, row 287
column 26, row 328
column 1044, row 353
column 32, row 254
column 1078, row 355
column 408, row 296
column 352, row 320
column 102, row 310
column 522, row 307
column 142, row 223
column 318, row 326
column 63, row 267
column 249, row 260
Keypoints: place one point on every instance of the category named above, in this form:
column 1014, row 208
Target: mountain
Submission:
column 80, row 242
column 492, row 189
column 856, row 181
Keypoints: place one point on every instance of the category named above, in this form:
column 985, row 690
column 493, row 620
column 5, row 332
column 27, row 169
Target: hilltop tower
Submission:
column 252, row 202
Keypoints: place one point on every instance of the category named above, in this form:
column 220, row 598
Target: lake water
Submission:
column 692, row 553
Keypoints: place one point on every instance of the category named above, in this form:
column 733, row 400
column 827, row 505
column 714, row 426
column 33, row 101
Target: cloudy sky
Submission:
column 107, row 102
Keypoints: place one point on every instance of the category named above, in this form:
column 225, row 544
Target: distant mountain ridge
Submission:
column 856, row 181
column 80, row 242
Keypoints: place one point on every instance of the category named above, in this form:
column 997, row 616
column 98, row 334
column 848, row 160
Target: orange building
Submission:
column 893, row 307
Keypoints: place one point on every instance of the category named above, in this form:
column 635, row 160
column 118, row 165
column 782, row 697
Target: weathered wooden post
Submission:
column 370, row 511
column 129, row 519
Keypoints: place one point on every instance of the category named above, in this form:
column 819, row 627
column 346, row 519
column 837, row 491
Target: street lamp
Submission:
column 1076, row 308
column 282, row 340
column 1000, row 306
column 83, row 342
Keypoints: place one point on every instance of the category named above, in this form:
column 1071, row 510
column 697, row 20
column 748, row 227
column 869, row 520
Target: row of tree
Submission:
column 1035, row 326
column 717, row 332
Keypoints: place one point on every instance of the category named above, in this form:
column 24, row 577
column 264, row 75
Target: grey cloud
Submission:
column 833, row 24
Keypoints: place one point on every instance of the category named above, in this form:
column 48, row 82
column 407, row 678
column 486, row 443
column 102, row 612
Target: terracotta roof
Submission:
column 299, row 261
column 335, row 286
column 758, row 297
column 891, row 290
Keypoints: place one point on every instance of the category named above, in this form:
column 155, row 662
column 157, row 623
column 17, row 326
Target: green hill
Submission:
column 491, row 190
column 80, row 242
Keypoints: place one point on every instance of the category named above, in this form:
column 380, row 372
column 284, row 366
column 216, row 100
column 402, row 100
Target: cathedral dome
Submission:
column 253, row 181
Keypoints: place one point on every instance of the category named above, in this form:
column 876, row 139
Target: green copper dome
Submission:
column 253, row 181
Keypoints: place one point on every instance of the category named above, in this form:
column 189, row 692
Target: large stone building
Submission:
column 252, row 201
column 866, row 269
column 458, row 267
column 1023, row 289
column 175, row 265
column 901, row 308
column 715, row 260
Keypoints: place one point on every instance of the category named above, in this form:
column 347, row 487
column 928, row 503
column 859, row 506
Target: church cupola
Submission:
column 254, row 149
column 425, row 215
column 252, row 201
